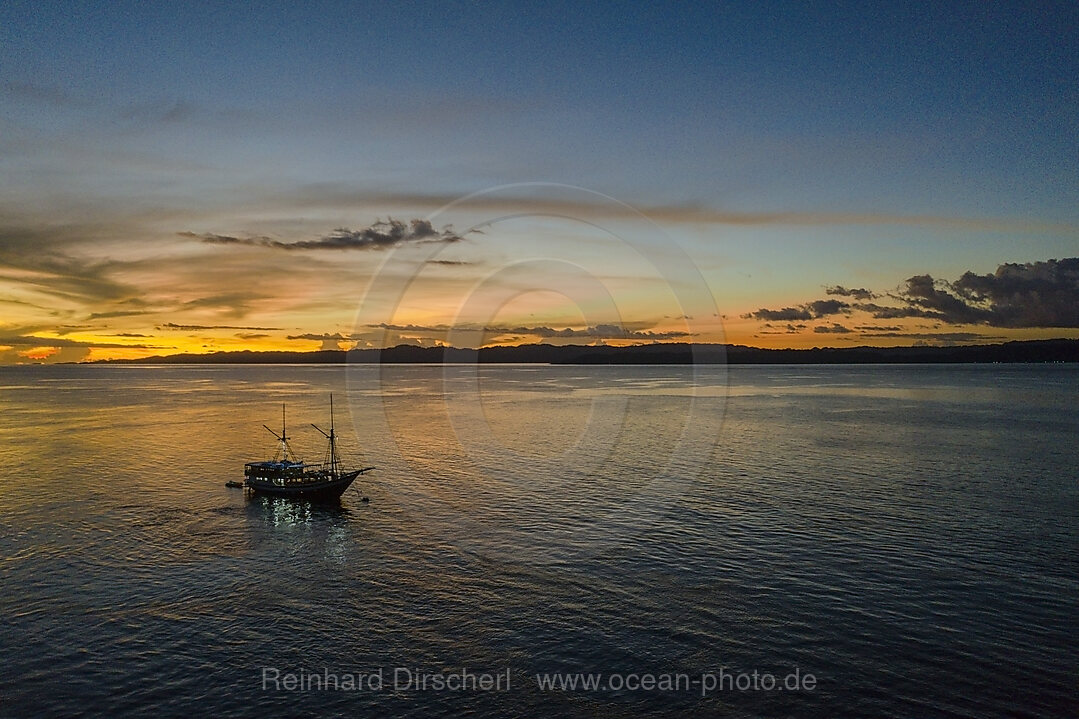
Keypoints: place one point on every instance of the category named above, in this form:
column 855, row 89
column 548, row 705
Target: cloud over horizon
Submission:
column 1028, row 295
column 199, row 328
column 379, row 235
column 808, row 311
column 834, row 329
column 859, row 293
column 598, row 331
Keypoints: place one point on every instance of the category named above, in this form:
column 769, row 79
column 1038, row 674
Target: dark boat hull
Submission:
column 328, row 490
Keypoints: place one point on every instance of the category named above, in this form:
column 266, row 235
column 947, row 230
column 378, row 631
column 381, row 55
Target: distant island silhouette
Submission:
column 1056, row 350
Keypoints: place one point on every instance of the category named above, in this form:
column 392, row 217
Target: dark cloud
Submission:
column 449, row 263
column 790, row 329
column 888, row 312
column 784, row 315
column 213, row 239
column 324, row 337
column 878, row 328
column 333, row 340
column 922, row 292
column 599, row 331
column 252, row 335
column 1033, row 294
column 834, row 329
column 116, row 313
column 199, row 328
column 380, row 235
column 808, row 311
column 859, row 293
column 1029, row 295
column 823, row 308
column 411, row 328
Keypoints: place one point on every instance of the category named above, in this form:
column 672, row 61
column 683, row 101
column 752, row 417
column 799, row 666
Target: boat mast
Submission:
column 284, row 451
column 333, row 460
column 284, row 436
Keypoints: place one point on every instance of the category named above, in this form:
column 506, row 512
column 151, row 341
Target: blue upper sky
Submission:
column 957, row 111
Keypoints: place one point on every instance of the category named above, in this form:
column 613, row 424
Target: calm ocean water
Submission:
column 909, row 536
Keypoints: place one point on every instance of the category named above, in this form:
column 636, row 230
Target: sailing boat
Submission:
column 288, row 476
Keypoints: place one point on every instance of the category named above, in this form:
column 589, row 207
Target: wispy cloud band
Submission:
column 379, row 235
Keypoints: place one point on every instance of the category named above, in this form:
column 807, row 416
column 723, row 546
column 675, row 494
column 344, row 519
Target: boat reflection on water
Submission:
column 286, row 512
column 329, row 532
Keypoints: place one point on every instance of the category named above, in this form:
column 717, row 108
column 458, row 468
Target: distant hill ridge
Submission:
column 1056, row 350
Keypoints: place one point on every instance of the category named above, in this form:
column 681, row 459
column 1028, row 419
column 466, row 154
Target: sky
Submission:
column 202, row 177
